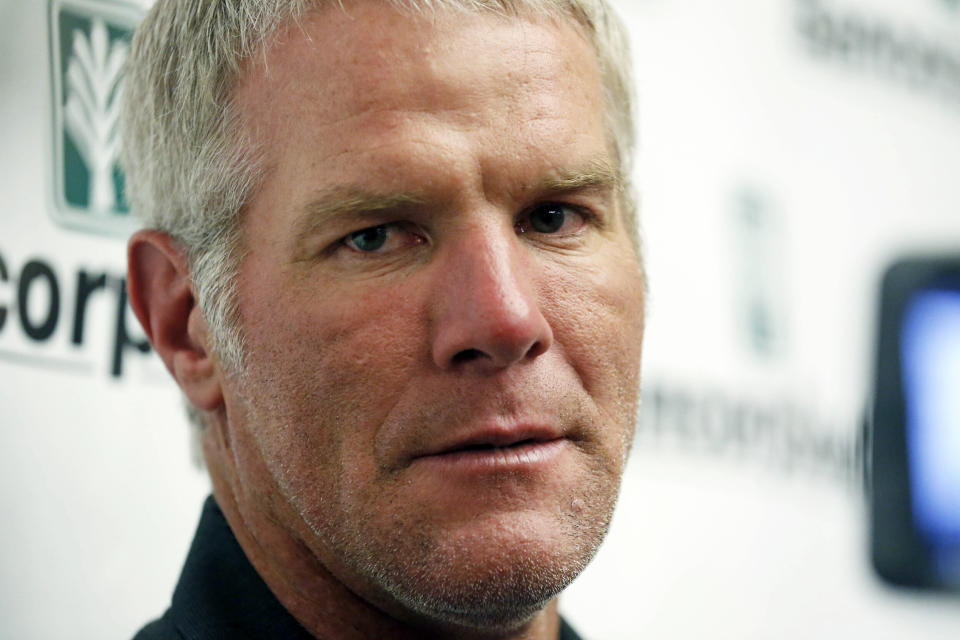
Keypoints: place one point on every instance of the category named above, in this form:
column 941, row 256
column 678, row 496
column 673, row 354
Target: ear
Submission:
column 161, row 294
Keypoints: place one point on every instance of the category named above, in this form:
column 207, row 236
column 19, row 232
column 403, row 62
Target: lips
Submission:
column 495, row 450
column 493, row 439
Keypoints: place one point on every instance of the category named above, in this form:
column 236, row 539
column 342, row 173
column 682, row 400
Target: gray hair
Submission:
column 189, row 164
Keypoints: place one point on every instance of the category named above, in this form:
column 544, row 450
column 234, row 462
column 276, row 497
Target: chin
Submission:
column 493, row 579
column 495, row 597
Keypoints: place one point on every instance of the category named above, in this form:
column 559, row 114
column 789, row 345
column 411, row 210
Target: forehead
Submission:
column 370, row 62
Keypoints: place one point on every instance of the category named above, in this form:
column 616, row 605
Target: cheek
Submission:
column 325, row 367
column 597, row 315
column 340, row 339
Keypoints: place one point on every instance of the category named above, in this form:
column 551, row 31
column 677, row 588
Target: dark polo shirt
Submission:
column 221, row 597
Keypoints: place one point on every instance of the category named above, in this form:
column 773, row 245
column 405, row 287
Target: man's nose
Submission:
column 487, row 314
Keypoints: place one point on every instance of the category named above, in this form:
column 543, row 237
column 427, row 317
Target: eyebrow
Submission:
column 597, row 174
column 348, row 203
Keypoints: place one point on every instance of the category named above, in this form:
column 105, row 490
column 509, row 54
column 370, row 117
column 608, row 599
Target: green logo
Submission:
column 89, row 43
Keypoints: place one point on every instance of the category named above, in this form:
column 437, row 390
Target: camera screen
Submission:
column 930, row 360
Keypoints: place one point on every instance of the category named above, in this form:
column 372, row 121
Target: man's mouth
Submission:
column 496, row 450
column 489, row 446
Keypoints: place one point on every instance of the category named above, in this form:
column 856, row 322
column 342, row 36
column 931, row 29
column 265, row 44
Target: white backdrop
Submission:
column 790, row 149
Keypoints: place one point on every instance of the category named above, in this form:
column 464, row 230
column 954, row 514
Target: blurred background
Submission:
column 791, row 150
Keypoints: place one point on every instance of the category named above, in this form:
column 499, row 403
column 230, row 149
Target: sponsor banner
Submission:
column 63, row 300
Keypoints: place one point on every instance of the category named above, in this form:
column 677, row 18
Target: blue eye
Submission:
column 551, row 218
column 369, row 239
column 383, row 238
column 548, row 218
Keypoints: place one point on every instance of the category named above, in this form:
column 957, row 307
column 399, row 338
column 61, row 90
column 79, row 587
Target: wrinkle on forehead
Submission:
column 433, row 72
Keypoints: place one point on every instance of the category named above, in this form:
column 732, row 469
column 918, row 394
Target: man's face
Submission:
column 442, row 308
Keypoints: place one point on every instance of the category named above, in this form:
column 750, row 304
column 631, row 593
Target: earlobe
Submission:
column 161, row 294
